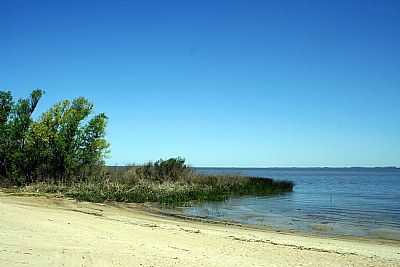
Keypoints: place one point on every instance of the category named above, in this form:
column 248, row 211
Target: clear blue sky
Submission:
column 221, row 83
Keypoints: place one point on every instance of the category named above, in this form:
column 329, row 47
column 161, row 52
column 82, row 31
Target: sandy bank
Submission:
column 40, row 231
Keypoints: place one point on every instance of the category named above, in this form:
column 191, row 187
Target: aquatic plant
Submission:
column 149, row 184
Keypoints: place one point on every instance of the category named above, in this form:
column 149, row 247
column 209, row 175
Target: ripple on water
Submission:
column 393, row 234
column 360, row 202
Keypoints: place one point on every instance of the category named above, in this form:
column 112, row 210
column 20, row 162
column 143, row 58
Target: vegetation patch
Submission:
column 157, row 182
column 65, row 143
column 63, row 152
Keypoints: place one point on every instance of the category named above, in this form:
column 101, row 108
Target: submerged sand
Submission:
column 55, row 231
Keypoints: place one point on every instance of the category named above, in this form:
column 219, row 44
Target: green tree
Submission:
column 15, row 124
column 6, row 106
column 67, row 142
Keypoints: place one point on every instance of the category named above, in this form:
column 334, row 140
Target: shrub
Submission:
column 172, row 169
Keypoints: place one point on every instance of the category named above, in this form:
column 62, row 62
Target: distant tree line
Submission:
column 66, row 142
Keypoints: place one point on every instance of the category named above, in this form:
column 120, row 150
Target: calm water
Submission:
column 346, row 201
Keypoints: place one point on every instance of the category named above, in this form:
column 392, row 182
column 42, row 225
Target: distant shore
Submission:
column 54, row 231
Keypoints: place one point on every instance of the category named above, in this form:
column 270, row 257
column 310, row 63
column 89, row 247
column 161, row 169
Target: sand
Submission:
column 56, row 231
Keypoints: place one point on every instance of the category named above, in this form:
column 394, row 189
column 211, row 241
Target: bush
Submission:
column 164, row 181
column 171, row 169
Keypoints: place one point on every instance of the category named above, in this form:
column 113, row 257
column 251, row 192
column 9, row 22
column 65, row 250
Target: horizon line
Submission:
column 280, row 167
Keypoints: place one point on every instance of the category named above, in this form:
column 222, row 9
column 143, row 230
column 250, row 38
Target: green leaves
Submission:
column 72, row 142
column 6, row 105
column 165, row 170
column 15, row 120
column 66, row 141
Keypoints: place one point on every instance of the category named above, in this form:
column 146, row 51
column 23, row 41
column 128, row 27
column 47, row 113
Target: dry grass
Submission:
column 130, row 186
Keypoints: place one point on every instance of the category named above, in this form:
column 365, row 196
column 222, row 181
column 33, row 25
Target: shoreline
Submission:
column 48, row 231
column 160, row 210
column 318, row 229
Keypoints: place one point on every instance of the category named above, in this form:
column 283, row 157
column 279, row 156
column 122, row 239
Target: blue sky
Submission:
column 221, row 83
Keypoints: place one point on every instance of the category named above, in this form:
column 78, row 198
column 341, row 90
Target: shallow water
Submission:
column 345, row 201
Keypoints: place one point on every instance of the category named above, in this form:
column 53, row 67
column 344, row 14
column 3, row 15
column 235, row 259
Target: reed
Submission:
column 210, row 187
column 174, row 182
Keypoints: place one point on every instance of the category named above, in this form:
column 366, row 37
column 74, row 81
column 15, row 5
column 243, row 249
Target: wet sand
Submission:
column 55, row 231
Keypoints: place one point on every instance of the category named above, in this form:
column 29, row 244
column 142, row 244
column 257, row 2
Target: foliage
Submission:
column 65, row 142
column 63, row 152
column 15, row 124
column 165, row 170
column 132, row 185
column 66, row 145
column 6, row 106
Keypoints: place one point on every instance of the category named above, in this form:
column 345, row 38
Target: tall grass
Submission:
column 164, row 181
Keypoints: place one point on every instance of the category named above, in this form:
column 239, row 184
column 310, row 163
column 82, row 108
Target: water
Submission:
column 346, row 201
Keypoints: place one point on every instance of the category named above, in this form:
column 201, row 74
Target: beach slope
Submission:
column 55, row 231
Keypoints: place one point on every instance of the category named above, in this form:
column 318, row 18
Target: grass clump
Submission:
column 164, row 181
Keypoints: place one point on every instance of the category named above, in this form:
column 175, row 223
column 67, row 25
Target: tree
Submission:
column 15, row 120
column 67, row 143
column 6, row 106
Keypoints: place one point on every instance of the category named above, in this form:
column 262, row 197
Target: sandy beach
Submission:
column 55, row 231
